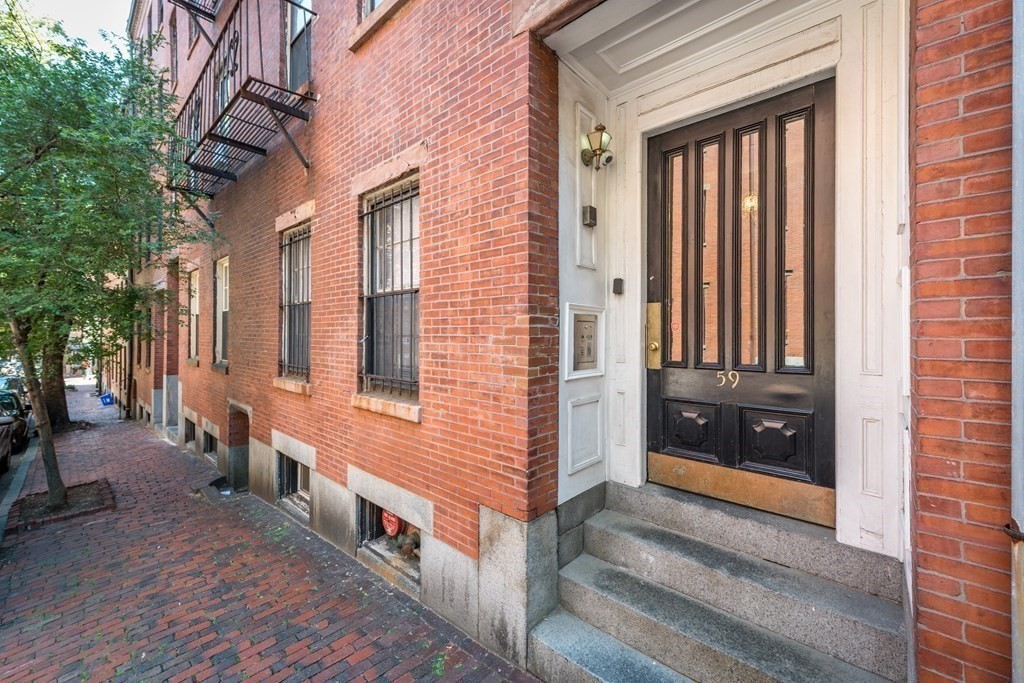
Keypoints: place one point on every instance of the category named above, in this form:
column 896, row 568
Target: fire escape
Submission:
column 235, row 109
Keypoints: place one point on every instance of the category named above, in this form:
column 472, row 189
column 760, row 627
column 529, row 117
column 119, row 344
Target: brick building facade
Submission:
column 425, row 304
column 960, row 260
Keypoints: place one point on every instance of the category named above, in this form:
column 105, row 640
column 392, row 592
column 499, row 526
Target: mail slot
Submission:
column 584, row 345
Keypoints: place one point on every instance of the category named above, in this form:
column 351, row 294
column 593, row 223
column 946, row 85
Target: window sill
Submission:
column 392, row 407
column 296, row 386
column 192, row 362
column 305, row 89
column 295, row 506
column 372, row 23
column 220, row 367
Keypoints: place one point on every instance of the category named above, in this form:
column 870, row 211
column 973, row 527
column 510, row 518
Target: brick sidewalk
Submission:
column 171, row 587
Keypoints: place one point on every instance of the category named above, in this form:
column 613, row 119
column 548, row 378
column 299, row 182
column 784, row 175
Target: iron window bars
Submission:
column 295, row 298
column 234, row 110
column 391, row 293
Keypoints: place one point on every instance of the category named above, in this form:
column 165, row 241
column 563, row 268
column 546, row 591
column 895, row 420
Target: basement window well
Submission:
column 210, row 448
column 190, row 435
column 389, row 545
column 293, row 487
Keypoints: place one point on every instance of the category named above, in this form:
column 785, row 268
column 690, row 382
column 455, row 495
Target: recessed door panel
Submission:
column 777, row 442
column 740, row 238
column 692, row 430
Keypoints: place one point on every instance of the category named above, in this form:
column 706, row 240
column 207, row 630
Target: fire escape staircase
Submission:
column 234, row 110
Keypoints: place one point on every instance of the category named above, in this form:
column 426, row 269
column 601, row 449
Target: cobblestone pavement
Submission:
column 171, row 587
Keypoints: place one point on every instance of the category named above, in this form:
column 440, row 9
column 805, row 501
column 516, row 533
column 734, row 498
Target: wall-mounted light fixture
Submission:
column 595, row 144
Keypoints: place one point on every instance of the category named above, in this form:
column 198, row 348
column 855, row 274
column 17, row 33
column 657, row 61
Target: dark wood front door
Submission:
column 741, row 325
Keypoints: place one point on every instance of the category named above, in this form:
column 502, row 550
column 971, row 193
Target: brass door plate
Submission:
column 653, row 337
column 815, row 504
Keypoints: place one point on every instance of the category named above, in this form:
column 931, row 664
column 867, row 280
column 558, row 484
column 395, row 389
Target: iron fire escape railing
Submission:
column 234, row 111
column 203, row 8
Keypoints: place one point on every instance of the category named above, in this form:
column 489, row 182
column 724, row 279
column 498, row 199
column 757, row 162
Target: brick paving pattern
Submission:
column 171, row 587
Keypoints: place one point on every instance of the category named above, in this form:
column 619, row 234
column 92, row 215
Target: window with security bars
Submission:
column 295, row 297
column 391, row 296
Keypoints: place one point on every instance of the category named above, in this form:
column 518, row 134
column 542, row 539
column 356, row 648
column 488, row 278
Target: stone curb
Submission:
column 17, row 482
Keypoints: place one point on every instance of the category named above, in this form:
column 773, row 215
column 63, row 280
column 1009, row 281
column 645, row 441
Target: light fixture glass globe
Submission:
column 598, row 138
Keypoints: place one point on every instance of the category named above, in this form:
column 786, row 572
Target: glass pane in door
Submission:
column 748, row 243
column 794, row 280
column 709, row 231
column 676, row 184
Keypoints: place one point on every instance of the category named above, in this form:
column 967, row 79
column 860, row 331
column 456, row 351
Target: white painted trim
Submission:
column 586, row 193
column 574, row 467
column 569, row 332
column 583, row 287
column 859, row 43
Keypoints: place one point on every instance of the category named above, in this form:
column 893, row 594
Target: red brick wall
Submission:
column 171, row 323
column 960, row 255
column 450, row 74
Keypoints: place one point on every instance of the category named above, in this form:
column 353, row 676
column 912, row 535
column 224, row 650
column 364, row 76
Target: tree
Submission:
column 85, row 141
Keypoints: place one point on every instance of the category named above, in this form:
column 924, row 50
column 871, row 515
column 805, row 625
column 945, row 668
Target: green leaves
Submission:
column 85, row 140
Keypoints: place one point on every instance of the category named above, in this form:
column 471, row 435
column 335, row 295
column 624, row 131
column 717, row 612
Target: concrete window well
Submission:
column 238, row 449
column 210, row 448
column 190, row 435
column 293, row 487
column 390, row 545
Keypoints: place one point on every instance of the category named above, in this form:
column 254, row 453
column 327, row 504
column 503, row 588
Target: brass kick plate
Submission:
column 653, row 336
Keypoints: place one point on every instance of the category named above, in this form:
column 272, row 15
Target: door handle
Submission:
column 653, row 335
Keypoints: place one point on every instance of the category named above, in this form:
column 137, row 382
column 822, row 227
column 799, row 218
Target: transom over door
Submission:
column 741, row 305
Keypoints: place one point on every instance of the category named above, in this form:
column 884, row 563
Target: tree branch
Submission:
column 40, row 151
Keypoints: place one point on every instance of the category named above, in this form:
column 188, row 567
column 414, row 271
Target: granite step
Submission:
column 861, row 629
column 564, row 648
column 693, row 638
column 792, row 543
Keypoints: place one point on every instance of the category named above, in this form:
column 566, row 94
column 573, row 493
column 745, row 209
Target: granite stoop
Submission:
column 674, row 586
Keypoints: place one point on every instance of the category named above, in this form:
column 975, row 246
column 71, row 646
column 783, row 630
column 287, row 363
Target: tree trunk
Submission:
column 53, row 382
column 58, row 493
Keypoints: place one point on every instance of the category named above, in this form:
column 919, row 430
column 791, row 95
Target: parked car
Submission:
column 24, row 424
column 7, row 428
column 13, row 383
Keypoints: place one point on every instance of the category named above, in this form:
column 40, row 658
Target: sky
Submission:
column 85, row 18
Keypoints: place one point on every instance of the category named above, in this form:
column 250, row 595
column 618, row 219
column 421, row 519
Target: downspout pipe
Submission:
column 1017, row 344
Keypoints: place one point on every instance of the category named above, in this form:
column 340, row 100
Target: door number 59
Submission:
column 733, row 377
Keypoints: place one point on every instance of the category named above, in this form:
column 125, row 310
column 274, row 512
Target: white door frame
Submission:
column 862, row 44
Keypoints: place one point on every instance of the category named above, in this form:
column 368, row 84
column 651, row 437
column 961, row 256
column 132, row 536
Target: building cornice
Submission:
column 133, row 18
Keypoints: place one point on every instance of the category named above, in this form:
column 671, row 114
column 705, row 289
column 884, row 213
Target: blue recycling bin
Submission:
column 107, row 400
